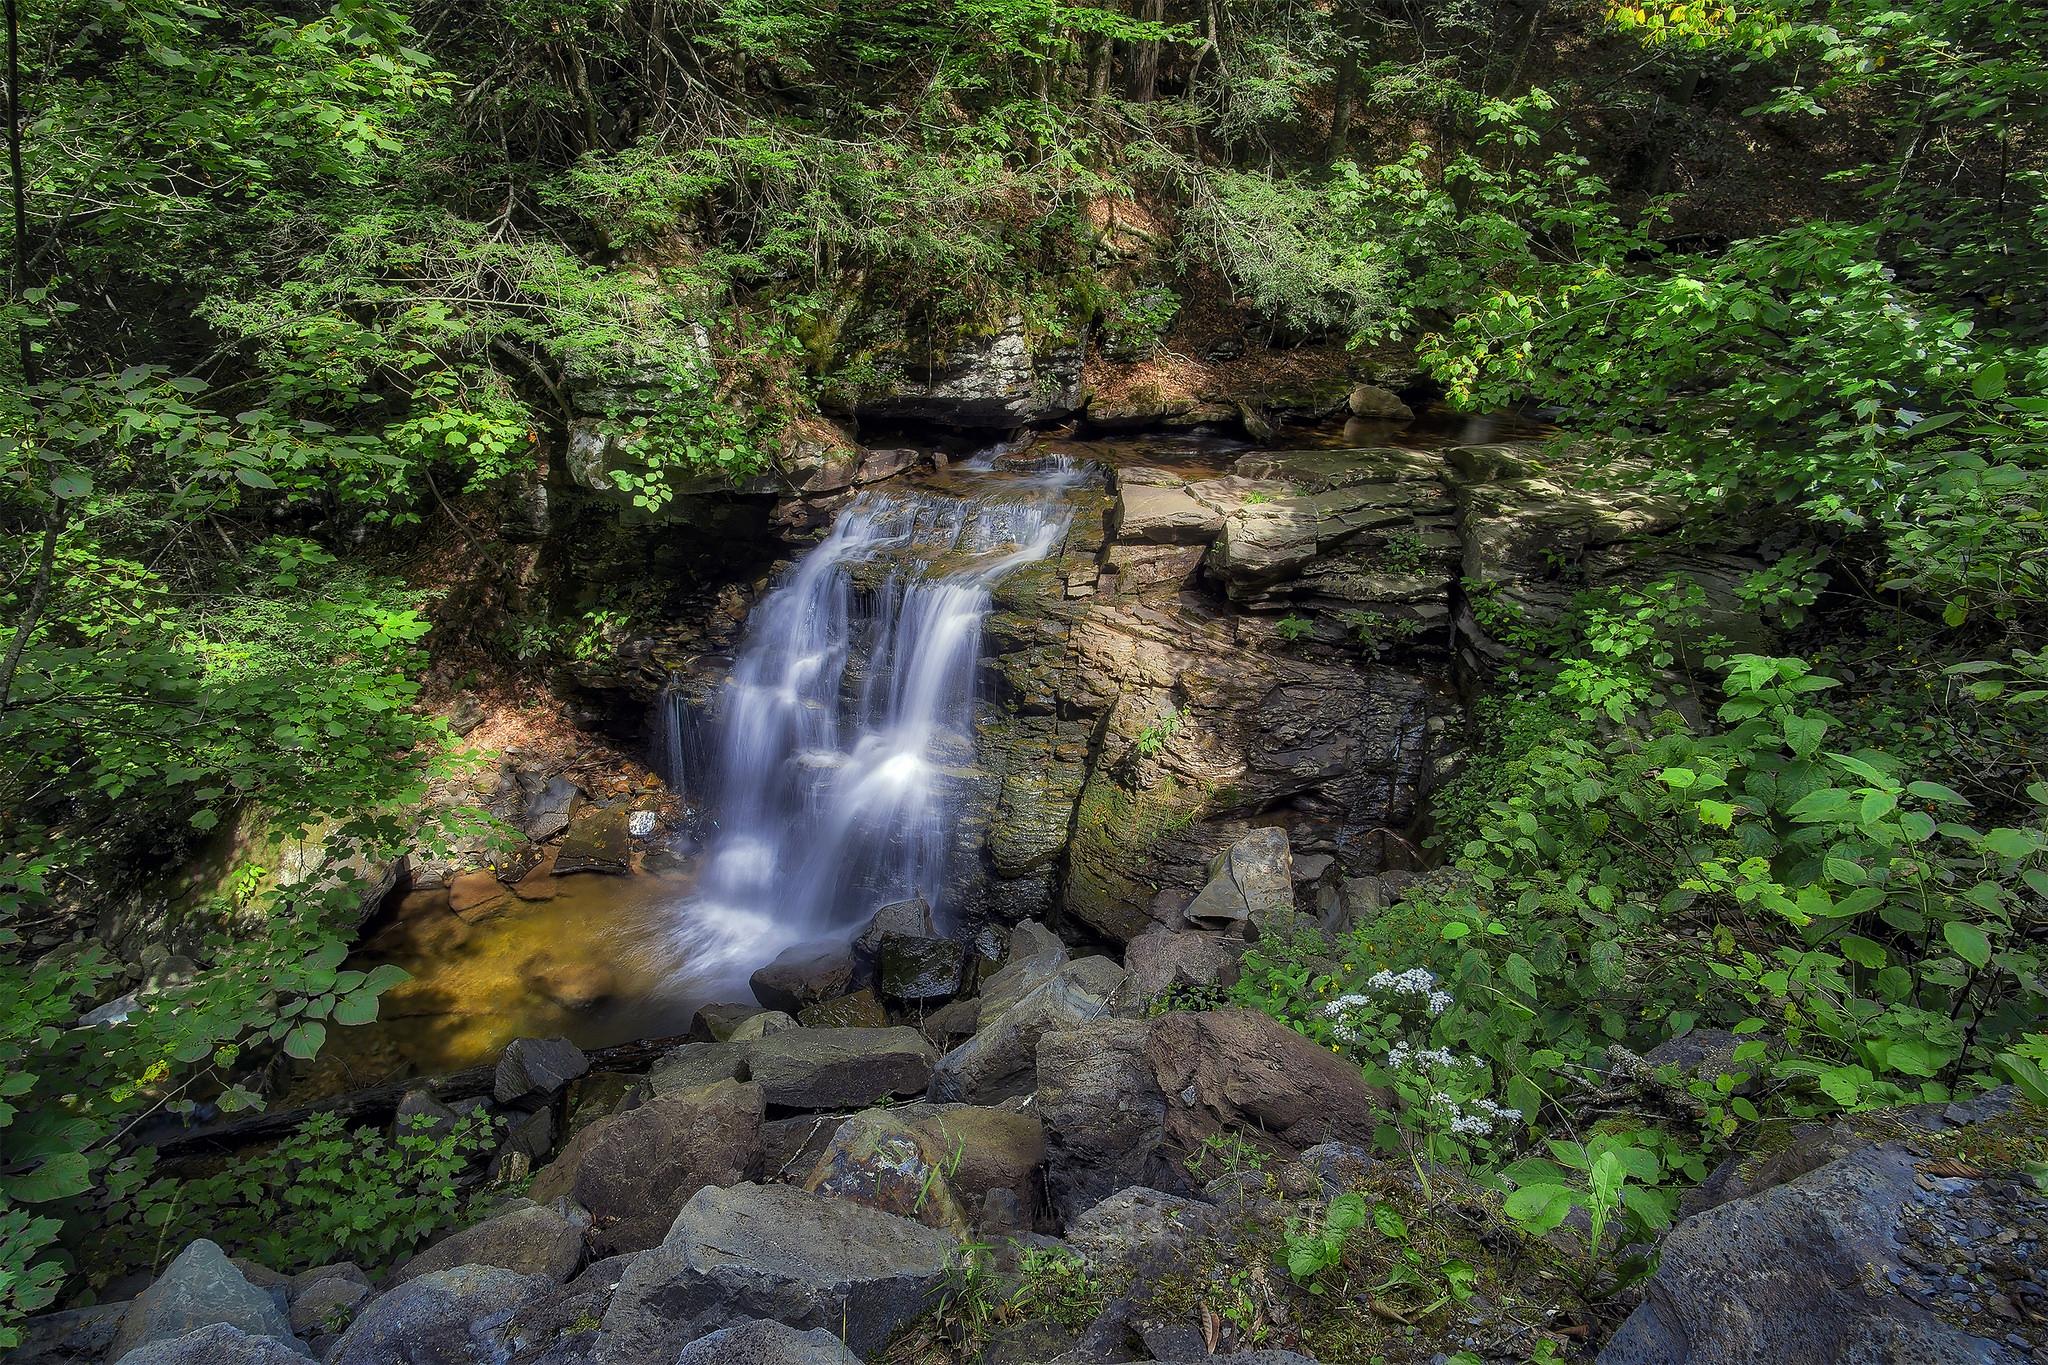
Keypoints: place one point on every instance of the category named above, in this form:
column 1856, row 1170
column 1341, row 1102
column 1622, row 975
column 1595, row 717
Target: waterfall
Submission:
column 836, row 746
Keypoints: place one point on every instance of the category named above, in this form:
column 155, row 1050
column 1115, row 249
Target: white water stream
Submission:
column 830, row 756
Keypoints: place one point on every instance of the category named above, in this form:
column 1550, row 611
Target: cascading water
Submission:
column 835, row 746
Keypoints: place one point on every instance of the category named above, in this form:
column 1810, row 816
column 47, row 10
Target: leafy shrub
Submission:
column 322, row 1194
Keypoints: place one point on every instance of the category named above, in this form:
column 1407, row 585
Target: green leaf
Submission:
column 359, row 1007
column 1956, row 612
column 1970, row 943
column 305, row 1041
column 2011, row 843
column 1989, row 382
column 70, row 485
column 1538, row 1208
column 60, row 1177
column 255, row 478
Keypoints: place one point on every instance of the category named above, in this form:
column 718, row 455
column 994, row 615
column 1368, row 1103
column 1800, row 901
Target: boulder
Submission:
column 218, row 1344
column 1238, row 1070
column 1000, row 1061
column 446, row 1318
column 1104, row 1115
column 1133, row 1224
column 1149, row 513
column 477, row 895
column 911, row 918
column 1016, row 979
column 715, row 1023
column 325, row 1308
column 199, row 1288
column 75, row 1336
column 762, row 1342
column 599, row 840
column 532, row 1239
column 547, row 814
column 877, row 1159
column 1918, row 1242
column 632, row 1171
column 860, row 1009
column 834, row 1068
column 419, row 1112
column 696, row 1065
column 1161, row 960
column 760, row 1025
column 920, row 971
column 1375, row 403
column 1032, row 939
column 536, row 1066
column 770, row 1251
column 1251, row 883
column 805, row 974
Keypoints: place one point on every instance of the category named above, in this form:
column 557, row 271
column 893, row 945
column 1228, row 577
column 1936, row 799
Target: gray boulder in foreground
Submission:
column 1892, row 1251
column 218, row 1344
column 772, row 1251
column 763, row 1342
column 198, row 1289
column 448, row 1317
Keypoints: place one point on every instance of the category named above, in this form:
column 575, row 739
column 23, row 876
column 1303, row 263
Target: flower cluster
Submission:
column 1476, row 1118
column 1416, row 981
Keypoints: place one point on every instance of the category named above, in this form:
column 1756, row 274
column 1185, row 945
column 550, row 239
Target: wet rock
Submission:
column 909, row 919
column 547, row 814
column 572, row 985
column 597, row 841
column 1163, row 513
column 861, row 1009
column 952, row 1021
column 536, row 1066
column 760, row 1025
column 830, row 1068
column 1016, row 979
column 475, row 896
column 199, row 1288
column 716, row 1022
column 877, row 465
column 446, row 1318
column 1000, row 1061
column 531, row 1238
column 1161, row 960
column 920, row 971
column 632, row 1171
column 804, row 975
column 1250, row 884
column 1372, row 401
column 770, row 1251
column 762, row 1342
column 218, row 1344
column 696, row 1065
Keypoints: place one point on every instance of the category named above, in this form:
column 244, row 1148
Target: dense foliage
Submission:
column 295, row 279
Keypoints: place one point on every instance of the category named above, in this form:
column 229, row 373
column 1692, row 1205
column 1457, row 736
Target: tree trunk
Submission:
column 1141, row 75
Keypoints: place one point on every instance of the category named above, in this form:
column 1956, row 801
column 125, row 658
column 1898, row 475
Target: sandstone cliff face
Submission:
column 1282, row 644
